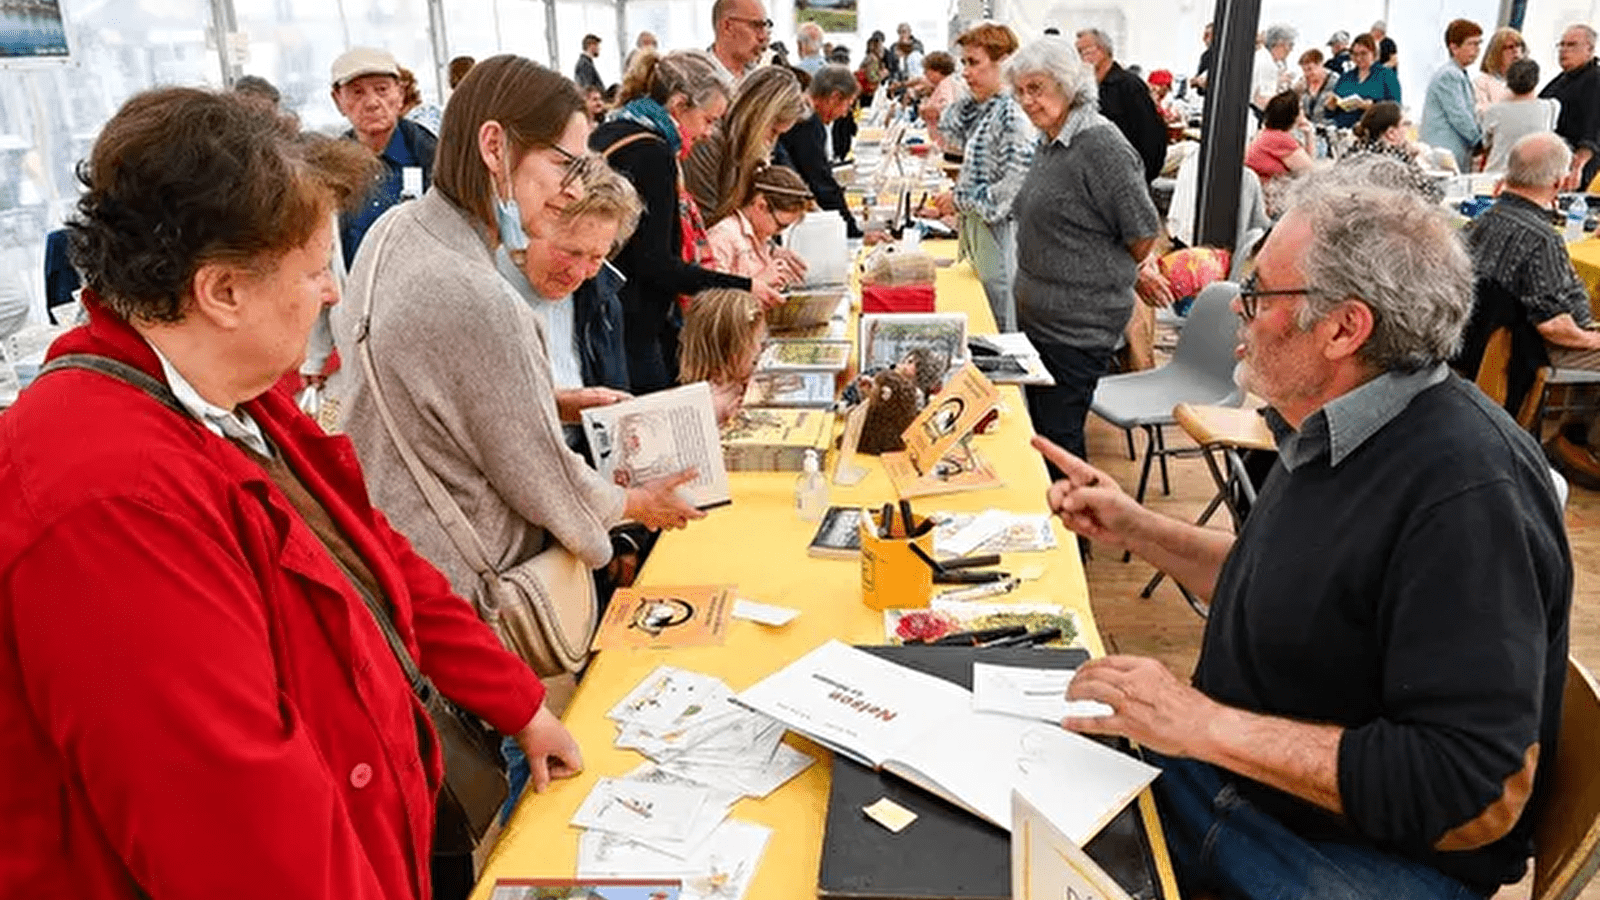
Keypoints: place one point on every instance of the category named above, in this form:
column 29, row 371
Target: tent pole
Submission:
column 550, row 39
column 1226, row 116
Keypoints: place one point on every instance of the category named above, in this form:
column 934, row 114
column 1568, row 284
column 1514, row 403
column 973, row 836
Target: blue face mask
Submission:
column 507, row 214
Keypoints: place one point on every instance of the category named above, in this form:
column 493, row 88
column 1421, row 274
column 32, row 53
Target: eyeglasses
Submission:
column 578, row 167
column 757, row 24
column 1250, row 296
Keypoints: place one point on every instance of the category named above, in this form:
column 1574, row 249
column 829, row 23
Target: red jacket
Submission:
column 194, row 702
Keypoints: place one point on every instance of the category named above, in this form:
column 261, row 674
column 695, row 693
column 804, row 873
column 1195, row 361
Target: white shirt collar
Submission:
column 234, row 424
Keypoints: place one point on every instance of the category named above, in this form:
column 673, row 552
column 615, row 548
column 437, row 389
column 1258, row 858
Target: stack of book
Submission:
column 775, row 440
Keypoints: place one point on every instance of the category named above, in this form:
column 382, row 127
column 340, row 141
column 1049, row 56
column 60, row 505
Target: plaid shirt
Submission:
column 1514, row 244
column 999, row 142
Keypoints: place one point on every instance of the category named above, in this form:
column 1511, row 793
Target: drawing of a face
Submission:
column 654, row 615
column 943, row 421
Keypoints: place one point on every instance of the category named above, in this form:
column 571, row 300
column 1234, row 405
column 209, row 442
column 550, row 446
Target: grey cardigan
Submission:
column 463, row 365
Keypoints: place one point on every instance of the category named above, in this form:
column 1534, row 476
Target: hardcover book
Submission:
column 838, row 534
column 658, row 435
column 775, row 440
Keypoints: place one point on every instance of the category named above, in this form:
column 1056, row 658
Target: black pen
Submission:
column 886, row 522
column 969, row 577
column 923, row 555
column 906, row 520
column 981, row 635
column 1026, row 640
column 972, row 562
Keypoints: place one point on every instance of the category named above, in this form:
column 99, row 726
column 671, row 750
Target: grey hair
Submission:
column 834, row 79
column 809, row 35
column 610, row 197
column 1538, row 160
column 1056, row 58
column 1278, row 34
column 1395, row 252
column 1101, row 40
column 1588, row 32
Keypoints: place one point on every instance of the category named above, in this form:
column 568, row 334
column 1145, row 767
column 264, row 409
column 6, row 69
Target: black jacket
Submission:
column 1579, row 122
column 1126, row 101
column 804, row 148
column 652, row 259
column 597, row 319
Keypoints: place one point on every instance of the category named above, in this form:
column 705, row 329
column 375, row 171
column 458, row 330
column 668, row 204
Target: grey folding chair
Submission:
column 1200, row 372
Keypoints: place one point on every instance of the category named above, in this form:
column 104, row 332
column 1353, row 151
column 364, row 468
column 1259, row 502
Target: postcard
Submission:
column 721, row 868
column 663, row 617
column 586, row 889
column 642, row 810
column 1029, row 693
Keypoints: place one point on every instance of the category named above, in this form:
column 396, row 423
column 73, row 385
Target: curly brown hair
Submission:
column 183, row 177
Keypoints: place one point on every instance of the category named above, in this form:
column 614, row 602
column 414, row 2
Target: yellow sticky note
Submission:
column 1030, row 573
column 890, row 814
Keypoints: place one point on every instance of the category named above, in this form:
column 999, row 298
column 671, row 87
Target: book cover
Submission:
column 808, row 390
column 1048, row 865
column 775, row 440
column 962, row 469
column 949, row 417
column 902, row 721
column 838, row 534
column 658, row 435
column 804, row 356
column 806, row 308
column 664, row 617
column 885, row 338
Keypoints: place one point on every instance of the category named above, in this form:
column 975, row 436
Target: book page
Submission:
column 658, row 435
column 1047, row 865
column 853, row 701
column 1079, row 784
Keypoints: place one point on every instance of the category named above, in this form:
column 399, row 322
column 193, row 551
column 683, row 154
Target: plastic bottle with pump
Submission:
column 1577, row 211
column 810, row 490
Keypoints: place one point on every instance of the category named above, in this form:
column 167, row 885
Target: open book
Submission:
column 658, row 435
column 923, row 729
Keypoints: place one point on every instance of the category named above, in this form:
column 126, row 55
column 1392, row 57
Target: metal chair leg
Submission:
column 1144, row 476
column 1161, row 442
column 1127, row 434
column 1205, row 516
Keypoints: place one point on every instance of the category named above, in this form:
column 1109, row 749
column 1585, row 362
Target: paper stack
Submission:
column 669, row 818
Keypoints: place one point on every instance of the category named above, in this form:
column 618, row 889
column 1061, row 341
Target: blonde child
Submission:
column 721, row 339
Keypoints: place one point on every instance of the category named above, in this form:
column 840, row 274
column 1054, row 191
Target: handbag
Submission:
column 544, row 609
column 475, row 783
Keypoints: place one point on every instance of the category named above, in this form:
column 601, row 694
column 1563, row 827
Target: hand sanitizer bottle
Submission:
column 1577, row 211
column 810, row 490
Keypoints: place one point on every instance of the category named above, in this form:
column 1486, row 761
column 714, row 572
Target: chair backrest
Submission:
column 1567, row 834
column 1492, row 364
column 1212, row 331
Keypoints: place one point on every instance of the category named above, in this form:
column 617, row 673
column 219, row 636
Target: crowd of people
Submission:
column 1370, row 707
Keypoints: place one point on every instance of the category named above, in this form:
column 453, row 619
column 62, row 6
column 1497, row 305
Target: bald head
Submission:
column 1538, row 162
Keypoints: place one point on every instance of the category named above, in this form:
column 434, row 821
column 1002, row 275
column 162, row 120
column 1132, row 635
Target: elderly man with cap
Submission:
column 1338, row 62
column 366, row 88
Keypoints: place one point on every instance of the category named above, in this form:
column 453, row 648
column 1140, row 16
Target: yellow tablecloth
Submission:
column 1586, row 259
column 759, row 544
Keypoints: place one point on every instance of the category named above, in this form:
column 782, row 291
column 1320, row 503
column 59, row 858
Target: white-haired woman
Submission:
column 1085, row 221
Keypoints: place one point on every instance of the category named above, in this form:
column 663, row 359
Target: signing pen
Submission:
column 981, row 635
column 1025, row 640
column 979, row 591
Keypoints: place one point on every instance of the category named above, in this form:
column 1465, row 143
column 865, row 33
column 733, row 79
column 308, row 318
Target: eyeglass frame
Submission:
column 758, row 24
column 1250, row 296
column 576, row 165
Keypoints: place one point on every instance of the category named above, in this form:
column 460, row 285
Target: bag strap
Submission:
column 121, row 371
column 445, row 509
column 619, row 143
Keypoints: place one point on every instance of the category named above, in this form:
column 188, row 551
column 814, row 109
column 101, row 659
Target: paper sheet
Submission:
column 1029, row 693
column 722, row 868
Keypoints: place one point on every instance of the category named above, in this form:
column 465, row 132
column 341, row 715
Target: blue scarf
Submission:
column 653, row 116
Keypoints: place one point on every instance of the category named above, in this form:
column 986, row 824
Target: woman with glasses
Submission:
column 667, row 105
column 1365, row 84
column 1489, row 85
column 741, row 244
column 1085, row 222
column 459, row 356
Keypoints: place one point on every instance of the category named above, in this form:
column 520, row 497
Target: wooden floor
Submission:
column 1166, row 628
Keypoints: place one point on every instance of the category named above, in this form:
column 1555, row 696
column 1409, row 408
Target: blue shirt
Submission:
column 396, row 156
column 1381, row 84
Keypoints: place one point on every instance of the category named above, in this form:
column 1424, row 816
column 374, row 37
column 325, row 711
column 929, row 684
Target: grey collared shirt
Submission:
column 1347, row 421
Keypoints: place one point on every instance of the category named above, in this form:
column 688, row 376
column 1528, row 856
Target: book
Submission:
column 1009, row 358
column 838, row 534
column 775, row 440
column 804, row 356
column 806, row 308
column 658, row 435
column 924, row 730
column 948, row 853
column 807, row 390
column 885, row 338
column 1048, row 865
column 949, row 417
column 662, row 617
column 962, row 469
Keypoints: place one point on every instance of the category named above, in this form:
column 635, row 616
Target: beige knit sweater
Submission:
column 463, row 366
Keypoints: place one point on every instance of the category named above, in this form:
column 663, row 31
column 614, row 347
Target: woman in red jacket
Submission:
column 195, row 698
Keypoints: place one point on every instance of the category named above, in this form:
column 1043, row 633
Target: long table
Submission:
column 759, row 544
column 1586, row 259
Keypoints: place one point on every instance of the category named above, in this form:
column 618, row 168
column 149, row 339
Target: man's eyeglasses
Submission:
column 757, row 24
column 1250, row 296
column 578, row 167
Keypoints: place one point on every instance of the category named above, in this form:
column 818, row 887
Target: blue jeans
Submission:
column 1221, row 843
column 517, row 772
column 1058, row 412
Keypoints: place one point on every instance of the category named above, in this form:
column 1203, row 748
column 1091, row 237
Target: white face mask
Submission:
column 507, row 214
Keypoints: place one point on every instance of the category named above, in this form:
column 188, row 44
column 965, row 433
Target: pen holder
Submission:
column 891, row 575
